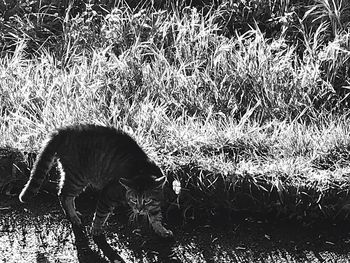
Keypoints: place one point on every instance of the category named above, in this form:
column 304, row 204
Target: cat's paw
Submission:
column 165, row 233
column 168, row 233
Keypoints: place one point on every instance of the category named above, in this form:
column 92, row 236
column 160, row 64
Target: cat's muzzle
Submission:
column 140, row 212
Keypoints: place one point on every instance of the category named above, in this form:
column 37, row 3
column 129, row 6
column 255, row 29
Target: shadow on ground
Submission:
column 38, row 232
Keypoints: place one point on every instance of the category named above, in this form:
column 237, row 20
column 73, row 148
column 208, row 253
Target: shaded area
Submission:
column 317, row 194
column 38, row 232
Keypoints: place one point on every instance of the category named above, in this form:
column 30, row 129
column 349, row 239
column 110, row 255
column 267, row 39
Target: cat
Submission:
column 110, row 161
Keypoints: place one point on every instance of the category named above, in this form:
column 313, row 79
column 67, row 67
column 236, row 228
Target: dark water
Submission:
column 38, row 232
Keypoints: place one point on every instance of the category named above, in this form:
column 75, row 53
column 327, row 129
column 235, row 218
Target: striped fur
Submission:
column 110, row 161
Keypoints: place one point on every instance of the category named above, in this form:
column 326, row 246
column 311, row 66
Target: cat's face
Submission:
column 143, row 196
column 143, row 203
column 143, row 191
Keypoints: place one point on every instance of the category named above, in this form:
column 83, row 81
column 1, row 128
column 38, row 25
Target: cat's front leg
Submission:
column 105, row 205
column 156, row 223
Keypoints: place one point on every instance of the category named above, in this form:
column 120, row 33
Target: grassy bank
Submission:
column 249, row 120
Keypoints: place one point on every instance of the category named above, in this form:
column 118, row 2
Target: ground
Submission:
column 38, row 232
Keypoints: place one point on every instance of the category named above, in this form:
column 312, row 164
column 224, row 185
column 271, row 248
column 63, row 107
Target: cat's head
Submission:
column 144, row 190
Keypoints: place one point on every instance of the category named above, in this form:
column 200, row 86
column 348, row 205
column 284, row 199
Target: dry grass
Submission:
column 239, row 121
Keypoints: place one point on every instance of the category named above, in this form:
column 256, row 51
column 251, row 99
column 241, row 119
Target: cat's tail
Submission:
column 41, row 167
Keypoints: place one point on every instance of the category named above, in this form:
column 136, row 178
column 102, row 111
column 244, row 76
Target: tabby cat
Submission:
column 110, row 161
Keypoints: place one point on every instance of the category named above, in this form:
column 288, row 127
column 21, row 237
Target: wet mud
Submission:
column 38, row 232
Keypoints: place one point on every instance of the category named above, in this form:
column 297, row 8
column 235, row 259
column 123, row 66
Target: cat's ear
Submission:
column 126, row 183
column 159, row 181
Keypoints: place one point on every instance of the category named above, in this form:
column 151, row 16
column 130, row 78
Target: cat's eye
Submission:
column 133, row 200
column 148, row 201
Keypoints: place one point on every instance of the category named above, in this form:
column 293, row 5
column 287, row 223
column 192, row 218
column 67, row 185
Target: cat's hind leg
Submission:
column 67, row 194
column 68, row 205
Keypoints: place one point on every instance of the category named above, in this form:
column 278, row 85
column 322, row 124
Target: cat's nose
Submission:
column 141, row 210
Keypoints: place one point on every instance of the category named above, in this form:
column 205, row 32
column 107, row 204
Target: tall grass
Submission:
column 333, row 20
column 239, row 121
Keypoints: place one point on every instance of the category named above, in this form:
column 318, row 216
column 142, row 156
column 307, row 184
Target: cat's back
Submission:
column 96, row 138
column 98, row 153
column 88, row 130
column 85, row 132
